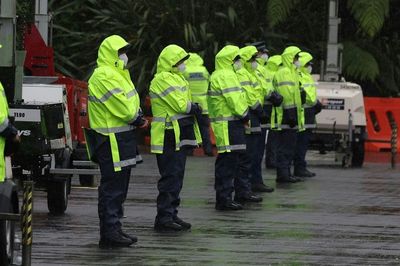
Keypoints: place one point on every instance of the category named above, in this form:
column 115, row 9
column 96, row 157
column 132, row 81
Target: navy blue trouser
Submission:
column 204, row 126
column 285, row 152
column 303, row 139
column 255, row 151
column 231, row 173
column 171, row 165
column 111, row 191
column 271, row 147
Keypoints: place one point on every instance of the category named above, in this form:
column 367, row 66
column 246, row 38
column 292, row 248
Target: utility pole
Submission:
column 334, row 48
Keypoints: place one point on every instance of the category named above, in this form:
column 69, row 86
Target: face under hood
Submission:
column 108, row 51
column 194, row 60
column 288, row 55
column 225, row 57
column 169, row 56
column 274, row 62
column 304, row 58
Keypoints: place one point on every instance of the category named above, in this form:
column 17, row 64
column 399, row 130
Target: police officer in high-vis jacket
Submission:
column 198, row 77
column 8, row 133
column 173, row 130
column 114, row 112
column 286, row 83
column 228, row 111
column 311, row 106
column 272, row 102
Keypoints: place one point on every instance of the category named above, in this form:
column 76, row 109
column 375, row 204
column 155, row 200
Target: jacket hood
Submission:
column 225, row 57
column 274, row 62
column 246, row 53
column 288, row 55
column 194, row 60
column 108, row 51
column 304, row 58
column 169, row 56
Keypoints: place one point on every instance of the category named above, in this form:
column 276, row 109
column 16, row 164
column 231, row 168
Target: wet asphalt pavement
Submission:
column 339, row 217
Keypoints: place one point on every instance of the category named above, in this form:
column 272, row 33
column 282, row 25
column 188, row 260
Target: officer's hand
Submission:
column 276, row 99
column 318, row 107
column 144, row 124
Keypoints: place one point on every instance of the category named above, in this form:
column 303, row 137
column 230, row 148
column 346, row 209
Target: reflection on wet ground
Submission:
column 342, row 216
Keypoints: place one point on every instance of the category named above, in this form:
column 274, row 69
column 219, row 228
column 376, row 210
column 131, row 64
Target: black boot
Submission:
column 170, row 226
column 131, row 237
column 287, row 179
column 182, row 223
column 303, row 173
column 228, row 205
column 261, row 188
column 250, row 197
column 114, row 240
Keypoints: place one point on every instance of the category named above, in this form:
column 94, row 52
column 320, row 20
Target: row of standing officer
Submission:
column 114, row 113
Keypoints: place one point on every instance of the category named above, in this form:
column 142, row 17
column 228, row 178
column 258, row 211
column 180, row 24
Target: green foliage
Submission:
column 279, row 10
column 25, row 14
column 205, row 26
column 370, row 14
column 354, row 57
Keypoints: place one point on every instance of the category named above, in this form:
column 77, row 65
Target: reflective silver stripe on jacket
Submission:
column 227, row 90
column 254, row 107
column 156, row 148
column 255, row 84
column 179, row 116
column 115, row 129
column 162, row 119
column 305, row 85
column 254, row 129
column 232, row 147
column 244, row 83
column 199, row 94
column 125, row 163
column 268, row 80
column 289, row 106
column 4, row 93
column 4, row 125
column 105, row 97
column 130, row 94
column 284, row 126
column 283, row 83
column 190, row 142
column 188, row 107
column 309, row 105
column 166, row 92
column 226, row 118
column 266, row 102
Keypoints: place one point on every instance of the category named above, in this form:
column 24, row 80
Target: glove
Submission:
column 139, row 121
column 303, row 96
column 275, row 98
column 195, row 109
column 318, row 107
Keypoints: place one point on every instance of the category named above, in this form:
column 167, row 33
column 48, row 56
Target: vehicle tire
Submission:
column 80, row 154
column 7, row 237
column 358, row 150
column 57, row 196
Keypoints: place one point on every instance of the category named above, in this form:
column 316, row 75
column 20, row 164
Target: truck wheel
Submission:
column 87, row 180
column 7, row 237
column 57, row 196
column 357, row 159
